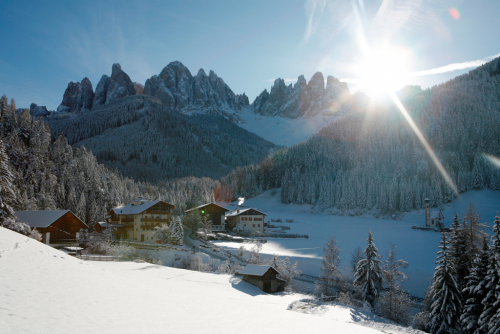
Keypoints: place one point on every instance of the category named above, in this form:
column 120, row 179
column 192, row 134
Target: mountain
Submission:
column 141, row 137
column 174, row 87
column 303, row 99
column 372, row 159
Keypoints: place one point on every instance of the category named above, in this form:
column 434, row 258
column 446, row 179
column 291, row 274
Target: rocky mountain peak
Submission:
column 120, row 84
column 302, row 99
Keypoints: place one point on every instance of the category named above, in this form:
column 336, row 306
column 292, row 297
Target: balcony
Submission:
column 127, row 220
column 115, row 219
column 155, row 220
column 156, row 212
column 147, row 227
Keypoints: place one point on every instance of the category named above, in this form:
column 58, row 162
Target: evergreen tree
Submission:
column 7, row 196
column 446, row 308
column 177, row 230
column 368, row 276
column 489, row 321
column 458, row 252
column 475, row 291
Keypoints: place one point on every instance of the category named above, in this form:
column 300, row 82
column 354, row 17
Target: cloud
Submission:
column 314, row 11
column 454, row 67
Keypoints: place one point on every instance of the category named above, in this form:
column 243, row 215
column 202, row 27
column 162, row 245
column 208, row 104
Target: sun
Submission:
column 383, row 70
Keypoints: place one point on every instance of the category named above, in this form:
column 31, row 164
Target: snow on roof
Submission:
column 255, row 270
column 204, row 205
column 241, row 211
column 42, row 218
column 436, row 215
column 135, row 209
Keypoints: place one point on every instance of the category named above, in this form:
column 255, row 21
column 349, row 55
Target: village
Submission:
column 151, row 225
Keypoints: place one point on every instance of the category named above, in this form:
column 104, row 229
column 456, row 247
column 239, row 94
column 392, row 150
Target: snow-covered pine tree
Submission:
column 458, row 251
column 368, row 276
column 330, row 270
column 177, row 230
column 446, row 308
column 7, row 196
column 475, row 291
column 489, row 321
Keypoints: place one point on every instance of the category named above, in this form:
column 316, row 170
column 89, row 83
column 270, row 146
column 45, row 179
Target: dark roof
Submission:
column 204, row 205
column 256, row 270
column 135, row 209
column 42, row 218
column 239, row 212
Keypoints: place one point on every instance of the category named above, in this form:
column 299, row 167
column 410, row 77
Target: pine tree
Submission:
column 489, row 321
column 177, row 230
column 475, row 291
column 7, row 196
column 368, row 276
column 446, row 308
column 458, row 252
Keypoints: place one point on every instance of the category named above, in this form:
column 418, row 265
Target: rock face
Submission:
column 78, row 96
column 101, row 90
column 177, row 88
column 38, row 111
column 120, row 85
column 303, row 99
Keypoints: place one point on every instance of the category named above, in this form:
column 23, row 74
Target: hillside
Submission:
column 142, row 138
column 372, row 159
column 45, row 290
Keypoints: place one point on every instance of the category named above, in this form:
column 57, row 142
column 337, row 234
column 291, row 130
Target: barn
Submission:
column 263, row 277
column 58, row 227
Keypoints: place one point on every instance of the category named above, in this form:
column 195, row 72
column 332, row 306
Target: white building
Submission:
column 251, row 218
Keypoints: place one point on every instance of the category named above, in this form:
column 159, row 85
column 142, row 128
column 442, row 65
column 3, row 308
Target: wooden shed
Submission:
column 263, row 277
column 58, row 227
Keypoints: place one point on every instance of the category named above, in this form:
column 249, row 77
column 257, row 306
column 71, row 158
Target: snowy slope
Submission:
column 281, row 130
column 417, row 247
column 46, row 291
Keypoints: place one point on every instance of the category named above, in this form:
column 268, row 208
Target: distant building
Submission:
column 263, row 277
column 216, row 213
column 58, row 227
column 251, row 218
column 137, row 220
column 433, row 218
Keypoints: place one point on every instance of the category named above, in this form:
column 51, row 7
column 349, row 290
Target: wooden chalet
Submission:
column 216, row 213
column 58, row 227
column 137, row 220
column 263, row 277
column 253, row 219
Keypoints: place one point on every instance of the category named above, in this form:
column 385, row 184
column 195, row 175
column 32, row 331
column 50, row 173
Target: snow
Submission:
column 417, row 247
column 281, row 130
column 254, row 270
column 47, row 291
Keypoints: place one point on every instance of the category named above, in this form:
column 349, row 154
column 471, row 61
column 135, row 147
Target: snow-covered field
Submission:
column 281, row 130
column 415, row 246
column 44, row 290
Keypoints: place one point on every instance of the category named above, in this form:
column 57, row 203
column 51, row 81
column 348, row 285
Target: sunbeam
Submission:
column 424, row 142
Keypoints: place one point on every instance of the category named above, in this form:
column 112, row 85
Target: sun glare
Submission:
column 382, row 71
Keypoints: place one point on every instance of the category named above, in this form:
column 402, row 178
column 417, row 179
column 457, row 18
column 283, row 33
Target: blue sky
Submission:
column 46, row 44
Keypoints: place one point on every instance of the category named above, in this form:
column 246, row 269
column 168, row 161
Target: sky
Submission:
column 47, row 44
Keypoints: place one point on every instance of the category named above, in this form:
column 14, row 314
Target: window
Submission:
column 258, row 225
column 253, row 225
column 250, row 218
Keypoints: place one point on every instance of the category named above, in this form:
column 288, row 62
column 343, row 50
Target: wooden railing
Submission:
column 127, row 220
column 155, row 220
